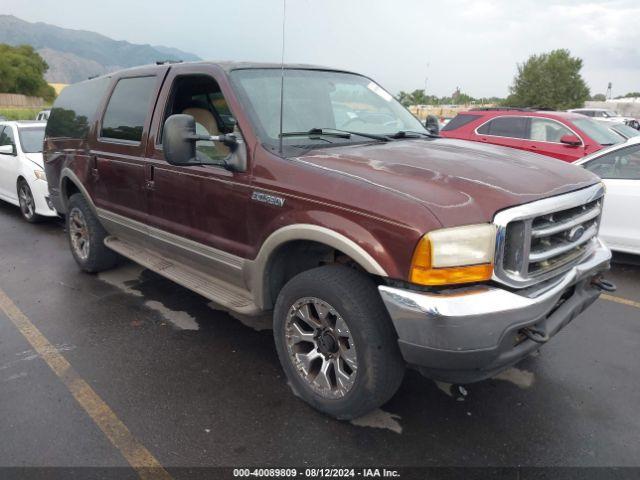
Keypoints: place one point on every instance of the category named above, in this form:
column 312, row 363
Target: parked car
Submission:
column 619, row 168
column 622, row 129
column 562, row 135
column 373, row 244
column 22, row 178
column 605, row 115
column 43, row 115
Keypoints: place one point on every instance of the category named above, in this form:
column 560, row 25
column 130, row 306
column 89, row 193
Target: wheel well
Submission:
column 20, row 179
column 296, row 257
column 68, row 188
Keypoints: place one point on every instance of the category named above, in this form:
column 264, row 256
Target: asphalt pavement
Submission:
column 196, row 387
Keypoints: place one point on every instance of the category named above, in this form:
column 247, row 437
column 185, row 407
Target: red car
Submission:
column 562, row 135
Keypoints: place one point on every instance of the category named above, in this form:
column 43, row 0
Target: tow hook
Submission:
column 535, row 335
column 602, row 284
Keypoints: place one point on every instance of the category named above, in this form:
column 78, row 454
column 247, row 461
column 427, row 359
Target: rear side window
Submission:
column 128, row 109
column 75, row 109
column 459, row 120
column 511, row 127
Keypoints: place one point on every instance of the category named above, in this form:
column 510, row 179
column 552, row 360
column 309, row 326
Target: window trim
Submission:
column 118, row 141
column 582, row 142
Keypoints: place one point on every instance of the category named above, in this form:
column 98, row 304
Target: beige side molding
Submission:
column 315, row 233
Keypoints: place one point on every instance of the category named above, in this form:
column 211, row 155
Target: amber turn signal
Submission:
column 423, row 273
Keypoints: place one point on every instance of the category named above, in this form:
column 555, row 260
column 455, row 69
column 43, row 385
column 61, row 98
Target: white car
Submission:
column 43, row 115
column 22, row 178
column 605, row 115
column 619, row 168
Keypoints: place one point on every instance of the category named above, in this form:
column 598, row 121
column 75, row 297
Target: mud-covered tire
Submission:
column 351, row 296
column 86, row 237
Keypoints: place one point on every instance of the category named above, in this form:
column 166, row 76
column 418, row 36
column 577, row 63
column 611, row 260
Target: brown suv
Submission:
column 375, row 244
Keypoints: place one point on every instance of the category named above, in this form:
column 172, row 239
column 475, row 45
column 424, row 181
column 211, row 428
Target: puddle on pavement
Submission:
column 127, row 277
column 521, row 378
column 379, row 419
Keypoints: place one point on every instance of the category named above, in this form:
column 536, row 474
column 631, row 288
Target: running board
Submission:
column 216, row 290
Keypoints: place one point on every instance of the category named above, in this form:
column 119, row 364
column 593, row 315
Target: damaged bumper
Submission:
column 467, row 334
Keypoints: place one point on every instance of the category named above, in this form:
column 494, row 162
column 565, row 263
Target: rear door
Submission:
column 118, row 151
column 620, row 171
column 508, row 131
column 543, row 136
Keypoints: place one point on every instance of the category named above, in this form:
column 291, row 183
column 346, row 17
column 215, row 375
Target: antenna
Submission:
column 284, row 14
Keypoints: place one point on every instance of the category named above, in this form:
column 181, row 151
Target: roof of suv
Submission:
column 501, row 112
column 226, row 66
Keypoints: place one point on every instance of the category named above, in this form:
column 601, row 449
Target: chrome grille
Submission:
column 541, row 239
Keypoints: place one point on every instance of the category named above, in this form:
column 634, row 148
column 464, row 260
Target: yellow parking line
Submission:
column 623, row 301
column 145, row 464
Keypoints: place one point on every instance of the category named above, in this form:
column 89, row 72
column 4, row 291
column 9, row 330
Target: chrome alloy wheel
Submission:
column 27, row 204
column 79, row 233
column 321, row 347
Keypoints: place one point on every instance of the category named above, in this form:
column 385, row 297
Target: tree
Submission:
column 22, row 71
column 599, row 97
column 630, row 95
column 549, row 80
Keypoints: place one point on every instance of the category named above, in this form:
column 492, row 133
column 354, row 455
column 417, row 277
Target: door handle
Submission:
column 150, row 185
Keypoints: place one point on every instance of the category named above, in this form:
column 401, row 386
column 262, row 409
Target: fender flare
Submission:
column 308, row 232
column 67, row 173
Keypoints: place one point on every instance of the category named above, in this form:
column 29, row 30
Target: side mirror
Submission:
column 432, row 125
column 570, row 140
column 179, row 144
column 8, row 149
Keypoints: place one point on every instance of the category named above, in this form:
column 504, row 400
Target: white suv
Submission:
column 605, row 115
column 22, row 178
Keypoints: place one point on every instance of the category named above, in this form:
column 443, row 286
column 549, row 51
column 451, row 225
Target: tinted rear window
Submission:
column 75, row 109
column 128, row 109
column 459, row 120
column 511, row 127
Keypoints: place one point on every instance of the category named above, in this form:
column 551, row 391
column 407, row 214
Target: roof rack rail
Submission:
column 164, row 62
column 501, row 109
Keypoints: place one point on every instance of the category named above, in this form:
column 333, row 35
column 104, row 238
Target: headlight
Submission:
column 40, row 174
column 454, row 255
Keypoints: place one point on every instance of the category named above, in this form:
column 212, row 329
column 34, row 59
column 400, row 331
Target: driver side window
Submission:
column 621, row 164
column 200, row 97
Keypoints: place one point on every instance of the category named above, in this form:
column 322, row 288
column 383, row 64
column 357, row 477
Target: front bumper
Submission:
column 467, row 334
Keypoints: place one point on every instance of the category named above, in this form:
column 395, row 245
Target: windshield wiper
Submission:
column 333, row 132
column 412, row 134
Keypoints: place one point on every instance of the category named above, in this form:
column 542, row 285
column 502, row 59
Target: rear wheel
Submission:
column 27, row 203
column 86, row 237
column 336, row 342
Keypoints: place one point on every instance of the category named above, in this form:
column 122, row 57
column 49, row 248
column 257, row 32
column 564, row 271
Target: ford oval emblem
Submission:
column 575, row 233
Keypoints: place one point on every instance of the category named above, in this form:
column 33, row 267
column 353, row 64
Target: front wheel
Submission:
column 336, row 342
column 27, row 203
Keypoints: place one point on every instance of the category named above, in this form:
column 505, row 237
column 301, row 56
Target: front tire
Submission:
column 27, row 203
column 86, row 237
column 336, row 342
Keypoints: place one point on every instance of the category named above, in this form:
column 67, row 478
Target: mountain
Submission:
column 75, row 55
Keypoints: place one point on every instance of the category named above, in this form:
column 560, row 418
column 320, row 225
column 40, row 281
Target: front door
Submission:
column 117, row 156
column 198, row 213
column 8, row 165
column 544, row 136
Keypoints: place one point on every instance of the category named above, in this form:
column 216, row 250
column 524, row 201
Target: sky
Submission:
column 402, row 44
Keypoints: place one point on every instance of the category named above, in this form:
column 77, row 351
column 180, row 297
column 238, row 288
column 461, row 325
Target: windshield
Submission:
column 31, row 139
column 597, row 132
column 316, row 99
column 625, row 130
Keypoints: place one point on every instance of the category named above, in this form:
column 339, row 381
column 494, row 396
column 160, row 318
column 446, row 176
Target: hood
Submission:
column 35, row 158
column 460, row 182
